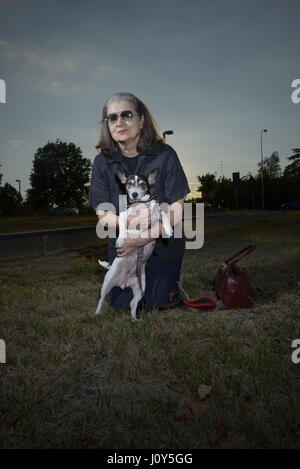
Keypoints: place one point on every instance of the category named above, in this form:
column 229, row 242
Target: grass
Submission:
column 73, row 380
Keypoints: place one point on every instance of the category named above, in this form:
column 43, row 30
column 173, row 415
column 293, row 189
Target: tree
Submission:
column 207, row 186
column 10, row 200
column 293, row 169
column 223, row 194
column 59, row 177
column 272, row 168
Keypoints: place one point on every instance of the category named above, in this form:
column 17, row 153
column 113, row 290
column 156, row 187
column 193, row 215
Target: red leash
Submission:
column 203, row 303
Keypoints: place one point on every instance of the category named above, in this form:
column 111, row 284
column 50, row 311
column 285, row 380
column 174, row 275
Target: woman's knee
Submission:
column 163, row 292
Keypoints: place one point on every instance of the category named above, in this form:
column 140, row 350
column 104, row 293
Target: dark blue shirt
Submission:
column 171, row 185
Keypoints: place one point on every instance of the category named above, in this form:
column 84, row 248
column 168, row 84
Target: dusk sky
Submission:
column 215, row 72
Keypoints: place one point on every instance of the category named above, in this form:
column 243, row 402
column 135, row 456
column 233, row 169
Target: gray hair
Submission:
column 149, row 136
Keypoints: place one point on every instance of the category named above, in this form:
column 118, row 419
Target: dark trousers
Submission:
column 162, row 289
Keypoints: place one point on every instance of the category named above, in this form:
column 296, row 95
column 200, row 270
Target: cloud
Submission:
column 57, row 74
column 106, row 69
column 60, row 88
column 49, row 73
column 51, row 63
column 15, row 142
column 7, row 2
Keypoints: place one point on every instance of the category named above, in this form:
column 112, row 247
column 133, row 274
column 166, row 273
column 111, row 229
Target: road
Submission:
column 42, row 242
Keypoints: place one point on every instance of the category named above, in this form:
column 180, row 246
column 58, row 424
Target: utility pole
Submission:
column 236, row 183
column 19, row 181
column 262, row 171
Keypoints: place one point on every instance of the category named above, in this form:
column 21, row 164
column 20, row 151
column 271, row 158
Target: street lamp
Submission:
column 167, row 132
column 19, row 181
column 262, row 170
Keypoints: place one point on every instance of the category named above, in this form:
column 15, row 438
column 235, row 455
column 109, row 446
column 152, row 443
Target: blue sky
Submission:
column 216, row 72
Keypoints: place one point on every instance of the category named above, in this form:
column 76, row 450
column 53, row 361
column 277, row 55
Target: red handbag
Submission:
column 232, row 284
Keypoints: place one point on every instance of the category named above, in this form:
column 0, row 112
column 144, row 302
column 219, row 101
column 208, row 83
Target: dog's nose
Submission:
column 134, row 195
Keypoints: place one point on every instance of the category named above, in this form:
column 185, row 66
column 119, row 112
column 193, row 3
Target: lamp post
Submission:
column 262, row 170
column 19, row 181
column 167, row 132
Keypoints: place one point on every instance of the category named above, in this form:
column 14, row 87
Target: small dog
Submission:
column 129, row 271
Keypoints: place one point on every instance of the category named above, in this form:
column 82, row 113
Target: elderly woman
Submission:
column 129, row 137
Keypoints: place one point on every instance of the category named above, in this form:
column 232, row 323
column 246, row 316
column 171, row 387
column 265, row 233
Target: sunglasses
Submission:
column 113, row 117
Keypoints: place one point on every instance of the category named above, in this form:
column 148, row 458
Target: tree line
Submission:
column 246, row 192
column 60, row 177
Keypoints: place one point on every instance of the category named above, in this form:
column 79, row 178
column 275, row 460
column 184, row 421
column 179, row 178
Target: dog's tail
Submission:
column 104, row 264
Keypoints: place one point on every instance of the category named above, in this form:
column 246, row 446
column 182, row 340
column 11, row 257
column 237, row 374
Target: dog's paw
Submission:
column 120, row 242
column 136, row 319
column 104, row 264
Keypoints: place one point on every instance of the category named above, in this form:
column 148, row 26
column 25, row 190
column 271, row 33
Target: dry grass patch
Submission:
column 74, row 380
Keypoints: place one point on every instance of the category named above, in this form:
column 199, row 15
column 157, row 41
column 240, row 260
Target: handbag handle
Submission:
column 239, row 255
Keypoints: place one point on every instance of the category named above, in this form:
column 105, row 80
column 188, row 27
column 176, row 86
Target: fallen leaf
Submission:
column 84, row 442
column 184, row 414
column 198, row 408
column 4, row 418
column 190, row 410
column 243, row 406
column 204, row 390
column 172, row 383
column 220, row 433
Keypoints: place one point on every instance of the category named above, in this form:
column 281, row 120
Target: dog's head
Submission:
column 138, row 188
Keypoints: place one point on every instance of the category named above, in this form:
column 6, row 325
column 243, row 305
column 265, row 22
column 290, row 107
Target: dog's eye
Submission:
column 143, row 185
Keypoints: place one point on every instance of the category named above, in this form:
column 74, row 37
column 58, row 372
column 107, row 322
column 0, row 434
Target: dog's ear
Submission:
column 152, row 177
column 122, row 175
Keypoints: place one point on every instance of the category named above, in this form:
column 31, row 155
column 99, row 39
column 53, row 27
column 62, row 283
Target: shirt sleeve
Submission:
column 99, row 188
column 176, row 185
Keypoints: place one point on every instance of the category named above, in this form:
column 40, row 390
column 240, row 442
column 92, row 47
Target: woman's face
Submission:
column 124, row 129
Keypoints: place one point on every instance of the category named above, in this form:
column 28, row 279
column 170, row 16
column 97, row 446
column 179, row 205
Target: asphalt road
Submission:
column 42, row 242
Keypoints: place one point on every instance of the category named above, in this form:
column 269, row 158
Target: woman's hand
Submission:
column 131, row 244
column 138, row 220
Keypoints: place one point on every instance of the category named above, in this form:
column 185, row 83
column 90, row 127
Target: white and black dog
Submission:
column 129, row 271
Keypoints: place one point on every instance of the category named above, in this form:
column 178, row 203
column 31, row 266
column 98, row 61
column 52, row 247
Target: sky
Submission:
column 216, row 72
